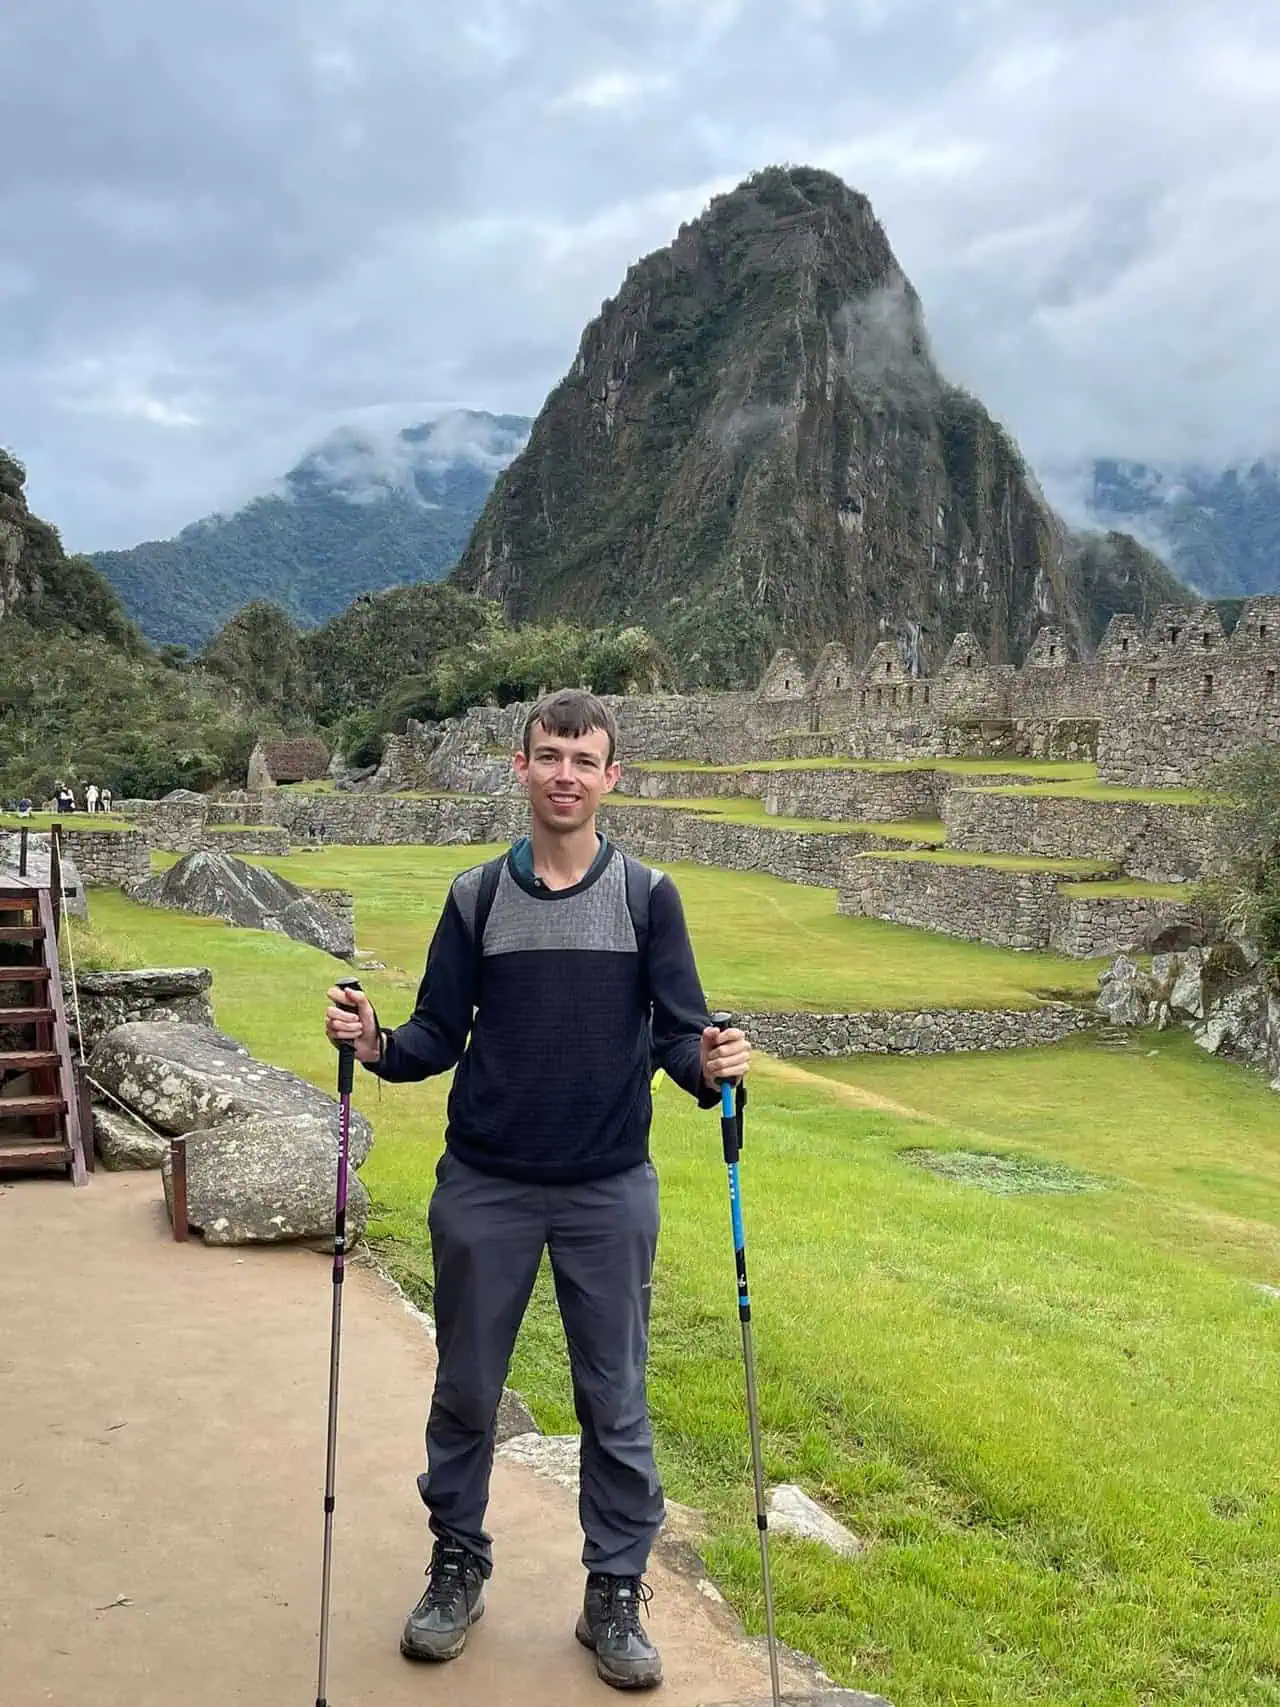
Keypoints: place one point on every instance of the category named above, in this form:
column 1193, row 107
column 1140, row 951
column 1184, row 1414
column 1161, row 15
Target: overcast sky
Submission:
column 226, row 228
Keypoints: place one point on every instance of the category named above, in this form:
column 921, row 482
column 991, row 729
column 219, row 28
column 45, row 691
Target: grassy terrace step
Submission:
column 1129, row 889
column 999, row 862
column 296, row 788
column 734, row 809
column 1105, row 791
column 1043, row 770
column 79, row 822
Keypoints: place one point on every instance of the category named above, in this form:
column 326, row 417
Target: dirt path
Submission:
column 162, row 1418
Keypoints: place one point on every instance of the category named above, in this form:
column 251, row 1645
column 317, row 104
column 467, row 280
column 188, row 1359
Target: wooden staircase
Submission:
column 45, row 1125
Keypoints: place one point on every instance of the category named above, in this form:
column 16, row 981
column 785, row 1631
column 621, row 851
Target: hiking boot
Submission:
column 610, row 1625
column 437, row 1627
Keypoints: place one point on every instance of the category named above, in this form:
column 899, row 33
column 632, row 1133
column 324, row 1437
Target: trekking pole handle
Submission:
column 730, row 1104
column 346, row 1051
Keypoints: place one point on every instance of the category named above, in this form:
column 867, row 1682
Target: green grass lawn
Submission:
column 1052, row 1417
column 761, row 943
column 1200, row 1137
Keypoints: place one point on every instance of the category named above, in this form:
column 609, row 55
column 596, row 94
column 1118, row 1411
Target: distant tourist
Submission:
column 104, row 800
column 91, row 797
column 24, row 807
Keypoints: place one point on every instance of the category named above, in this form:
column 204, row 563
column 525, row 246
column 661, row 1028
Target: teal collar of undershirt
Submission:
column 522, row 861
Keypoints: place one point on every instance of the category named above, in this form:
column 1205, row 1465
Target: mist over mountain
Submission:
column 1218, row 528
column 360, row 512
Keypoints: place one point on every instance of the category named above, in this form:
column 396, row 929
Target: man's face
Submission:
column 565, row 777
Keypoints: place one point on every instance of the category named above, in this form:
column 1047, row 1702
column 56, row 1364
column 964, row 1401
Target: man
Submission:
column 554, row 982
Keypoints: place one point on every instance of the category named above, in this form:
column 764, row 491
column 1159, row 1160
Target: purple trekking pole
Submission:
column 346, row 1079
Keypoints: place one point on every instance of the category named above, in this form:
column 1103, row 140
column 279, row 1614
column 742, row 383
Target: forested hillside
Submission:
column 356, row 515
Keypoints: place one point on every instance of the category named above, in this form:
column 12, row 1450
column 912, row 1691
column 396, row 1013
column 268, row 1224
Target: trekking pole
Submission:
column 731, row 1105
column 346, row 1079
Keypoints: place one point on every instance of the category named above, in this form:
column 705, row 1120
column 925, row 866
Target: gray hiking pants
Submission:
column 487, row 1239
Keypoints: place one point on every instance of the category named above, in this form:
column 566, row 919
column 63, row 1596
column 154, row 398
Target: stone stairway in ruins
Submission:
column 44, row 1121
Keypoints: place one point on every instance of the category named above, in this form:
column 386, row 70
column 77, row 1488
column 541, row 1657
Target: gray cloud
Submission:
column 234, row 229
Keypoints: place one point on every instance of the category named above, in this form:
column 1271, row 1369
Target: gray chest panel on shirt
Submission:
column 595, row 919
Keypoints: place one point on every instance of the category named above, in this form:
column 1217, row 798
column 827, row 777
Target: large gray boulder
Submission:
column 186, row 1078
column 266, row 1180
column 218, row 886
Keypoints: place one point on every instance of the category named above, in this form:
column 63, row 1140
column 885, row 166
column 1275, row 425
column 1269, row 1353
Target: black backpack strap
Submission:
column 490, row 875
column 639, row 887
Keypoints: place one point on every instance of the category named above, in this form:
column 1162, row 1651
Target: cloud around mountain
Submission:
column 364, row 510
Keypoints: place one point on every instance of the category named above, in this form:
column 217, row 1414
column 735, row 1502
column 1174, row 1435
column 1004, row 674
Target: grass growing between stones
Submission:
column 1050, row 1415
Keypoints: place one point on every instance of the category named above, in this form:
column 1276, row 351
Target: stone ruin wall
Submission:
column 108, row 859
column 1153, row 705
column 1150, row 841
column 1026, row 910
column 926, row 1031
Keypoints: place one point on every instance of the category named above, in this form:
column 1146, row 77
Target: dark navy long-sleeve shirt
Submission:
column 555, row 1048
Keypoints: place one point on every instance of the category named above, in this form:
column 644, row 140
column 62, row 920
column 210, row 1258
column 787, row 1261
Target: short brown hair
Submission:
column 569, row 713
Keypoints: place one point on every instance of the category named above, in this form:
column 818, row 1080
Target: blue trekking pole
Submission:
column 732, row 1099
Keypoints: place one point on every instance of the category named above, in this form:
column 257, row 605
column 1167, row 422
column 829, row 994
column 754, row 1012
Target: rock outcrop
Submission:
column 755, row 422
column 261, row 1143
column 264, row 1180
column 186, row 1078
column 1219, row 993
column 218, row 886
column 792, row 1512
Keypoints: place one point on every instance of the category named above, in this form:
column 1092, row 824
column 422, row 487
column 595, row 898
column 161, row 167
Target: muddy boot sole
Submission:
column 617, row 1678
column 438, row 1655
